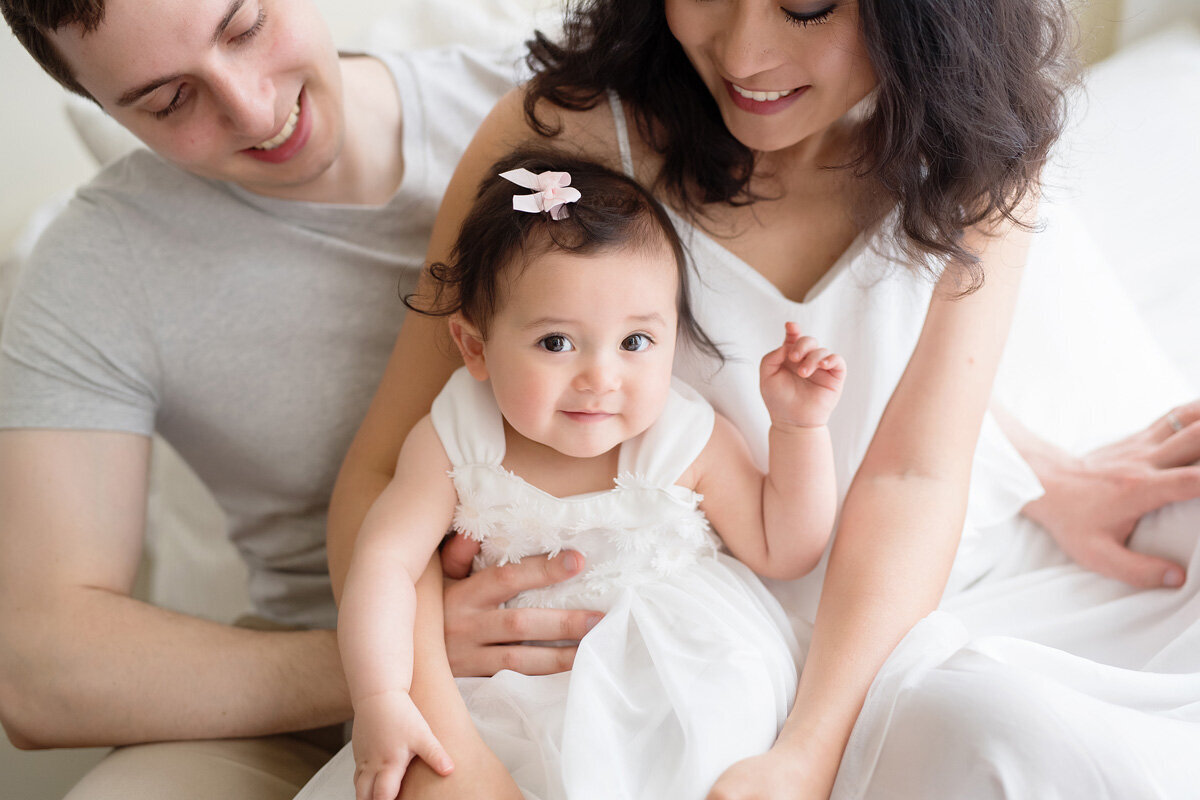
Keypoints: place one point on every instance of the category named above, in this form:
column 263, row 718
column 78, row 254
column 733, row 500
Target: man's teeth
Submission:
column 760, row 96
column 289, row 128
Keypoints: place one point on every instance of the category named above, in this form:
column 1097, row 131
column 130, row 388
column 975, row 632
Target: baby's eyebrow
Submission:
column 559, row 322
column 646, row 318
column 547, row 322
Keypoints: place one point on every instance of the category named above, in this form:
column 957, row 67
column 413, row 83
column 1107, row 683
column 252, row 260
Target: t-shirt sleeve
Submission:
column 77, row 350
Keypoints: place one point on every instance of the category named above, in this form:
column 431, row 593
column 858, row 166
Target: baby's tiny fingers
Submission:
column 364, row 784
column 432, row 753
column 387, row 784
column 811, row 362
column 834, row 364
column 800, row 348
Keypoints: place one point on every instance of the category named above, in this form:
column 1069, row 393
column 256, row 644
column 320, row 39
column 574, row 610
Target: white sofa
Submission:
column 1131, row 166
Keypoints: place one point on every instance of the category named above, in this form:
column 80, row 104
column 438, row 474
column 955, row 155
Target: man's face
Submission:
column 247, row 91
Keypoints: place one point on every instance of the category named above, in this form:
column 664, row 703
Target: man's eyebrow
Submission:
column 133, row 95
column 234, row 7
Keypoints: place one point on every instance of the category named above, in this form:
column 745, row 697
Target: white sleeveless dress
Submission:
column 1035, row 678
column 693, row 665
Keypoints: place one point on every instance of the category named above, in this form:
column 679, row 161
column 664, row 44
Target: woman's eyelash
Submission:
column 804, row 20
column 254, row 29
column 174, row 104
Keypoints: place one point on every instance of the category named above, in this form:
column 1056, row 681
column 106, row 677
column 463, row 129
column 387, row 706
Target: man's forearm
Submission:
column 93, row 667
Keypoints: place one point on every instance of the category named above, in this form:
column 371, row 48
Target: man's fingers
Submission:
column 1176, row 420
column 457, row 554
column 1109, row 557
column 537, row 625
column 494, row 586
column 528, row 659
column 1174, row 486
column 1178, row 449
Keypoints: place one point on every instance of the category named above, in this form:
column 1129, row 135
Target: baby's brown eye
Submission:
column 555, row 343
column 636, row 342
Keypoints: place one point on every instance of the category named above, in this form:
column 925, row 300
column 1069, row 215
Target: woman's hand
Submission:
column 482, row 638
column 781, row 773
column 1092, row 504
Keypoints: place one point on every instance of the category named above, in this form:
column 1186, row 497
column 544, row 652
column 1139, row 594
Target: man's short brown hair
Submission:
column 32, row 20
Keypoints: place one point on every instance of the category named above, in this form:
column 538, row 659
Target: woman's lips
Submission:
column 294, row 143
column 762, row 106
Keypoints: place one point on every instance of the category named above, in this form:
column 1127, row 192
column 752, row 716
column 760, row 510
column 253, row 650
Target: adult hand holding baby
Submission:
column 481, row 634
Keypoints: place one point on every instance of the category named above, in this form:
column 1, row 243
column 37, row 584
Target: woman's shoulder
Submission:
column 588, row 132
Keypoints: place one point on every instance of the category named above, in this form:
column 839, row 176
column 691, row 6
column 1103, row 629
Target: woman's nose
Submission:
column 745, row 43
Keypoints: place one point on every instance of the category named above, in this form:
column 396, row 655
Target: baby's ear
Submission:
column 470, row 344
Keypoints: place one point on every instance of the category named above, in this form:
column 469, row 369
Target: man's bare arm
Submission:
column 81, row 662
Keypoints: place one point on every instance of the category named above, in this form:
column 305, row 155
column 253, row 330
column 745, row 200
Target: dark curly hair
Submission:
column 31, row 20
column 971, row 96
column 614, row 213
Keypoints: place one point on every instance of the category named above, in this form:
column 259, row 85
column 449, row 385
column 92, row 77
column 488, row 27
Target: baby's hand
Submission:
column 389, row 732
column 800, row 381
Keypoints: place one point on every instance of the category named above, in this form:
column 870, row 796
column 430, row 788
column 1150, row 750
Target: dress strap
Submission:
column 618, row 111
column 468, row 421
column 661, row 454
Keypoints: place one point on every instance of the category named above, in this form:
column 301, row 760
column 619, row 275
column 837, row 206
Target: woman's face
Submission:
column 781, row 71
column 247, row 91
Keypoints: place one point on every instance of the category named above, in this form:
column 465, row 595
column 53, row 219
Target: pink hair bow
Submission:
column 552, row 191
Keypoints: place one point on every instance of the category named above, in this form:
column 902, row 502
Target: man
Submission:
column 235, row 291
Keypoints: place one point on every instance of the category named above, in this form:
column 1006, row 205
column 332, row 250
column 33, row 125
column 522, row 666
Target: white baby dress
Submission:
column 692, row 667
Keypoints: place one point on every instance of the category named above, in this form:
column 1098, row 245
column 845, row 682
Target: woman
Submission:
column 812, row 148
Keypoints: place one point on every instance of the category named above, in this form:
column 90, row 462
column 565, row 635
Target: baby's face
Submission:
column 580, row 352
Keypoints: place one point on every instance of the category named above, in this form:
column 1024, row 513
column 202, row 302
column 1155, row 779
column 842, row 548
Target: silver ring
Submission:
column 1174, row 422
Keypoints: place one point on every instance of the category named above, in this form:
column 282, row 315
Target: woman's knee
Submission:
column 971, row 733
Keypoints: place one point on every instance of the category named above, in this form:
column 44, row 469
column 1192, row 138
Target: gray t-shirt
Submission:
column 250, row 332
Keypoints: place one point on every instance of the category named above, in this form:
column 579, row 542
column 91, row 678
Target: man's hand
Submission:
column 1092, row 504
column 482, row 638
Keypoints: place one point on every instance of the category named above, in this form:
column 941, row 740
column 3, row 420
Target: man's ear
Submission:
column 470, row 344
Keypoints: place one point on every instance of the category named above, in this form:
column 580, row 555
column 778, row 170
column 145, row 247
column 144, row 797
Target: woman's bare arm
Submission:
column 901, row 522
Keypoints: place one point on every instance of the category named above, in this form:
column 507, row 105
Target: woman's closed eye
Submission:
column 805, row 18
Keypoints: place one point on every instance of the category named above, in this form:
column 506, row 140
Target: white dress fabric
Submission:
column 1036, row 678
column 692, row 667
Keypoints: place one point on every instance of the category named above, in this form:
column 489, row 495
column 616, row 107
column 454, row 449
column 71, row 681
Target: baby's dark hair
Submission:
column 614, row 212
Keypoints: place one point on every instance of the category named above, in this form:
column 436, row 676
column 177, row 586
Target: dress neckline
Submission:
column 848, row 257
